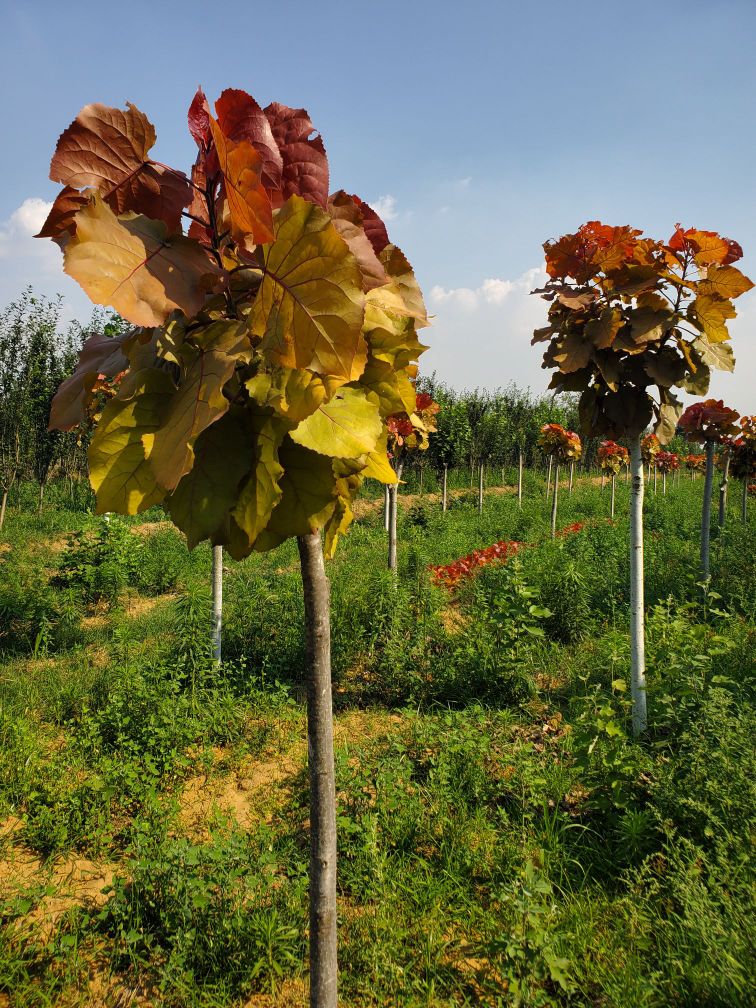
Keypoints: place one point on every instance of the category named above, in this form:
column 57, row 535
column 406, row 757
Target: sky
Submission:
column 479, row 130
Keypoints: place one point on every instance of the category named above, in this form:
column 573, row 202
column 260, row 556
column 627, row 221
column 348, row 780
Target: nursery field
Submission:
column 502, row 838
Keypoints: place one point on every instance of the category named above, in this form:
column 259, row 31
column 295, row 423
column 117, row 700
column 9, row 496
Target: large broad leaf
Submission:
column 390, row 334
column 377, row 465
column 305, row 165
column 710, row 313
column 119, row 469
column 345, row 427
column 573, row 352
column 601, row 331
column 666, row 367
column 130, row 264
column 725, row 282
column 347, row 217
column 100, row 355
column 716, row 355
column 308, row 497
column 222, row 457
column 248, row 201
column 107, row 149
column 392, row 389
column 292, row 394
column 309, row 309
column 241, row 118
column 402, row 283
column 262, row 490
column 374, row 227
column 669, row 414
column 198, row 401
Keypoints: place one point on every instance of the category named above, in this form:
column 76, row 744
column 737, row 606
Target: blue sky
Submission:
column 481, row 129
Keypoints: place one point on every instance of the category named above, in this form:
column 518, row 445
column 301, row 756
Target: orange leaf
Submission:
column 248, row 201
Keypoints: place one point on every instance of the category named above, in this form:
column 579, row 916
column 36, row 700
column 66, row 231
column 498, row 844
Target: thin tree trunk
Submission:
column 420, row 487
column 217, row 603
column 637, row 631
column 548, row 478
column 41, row 495
column 480, row 489
column 3, row 506
column 443, row 489
column 614, row 482
column 723, row 490
column 744, row 500
column 572, row 474
column 554, row 501
column 655, row 472
column 603, row 480
column 519, row 480
column 664, row 483
column 706, row 511
column 393, row 490
column 323, row 938
column 386, row 507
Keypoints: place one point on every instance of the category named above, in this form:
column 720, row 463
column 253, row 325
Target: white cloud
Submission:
column 480, row 338
column 37, row 261
column 385, row 207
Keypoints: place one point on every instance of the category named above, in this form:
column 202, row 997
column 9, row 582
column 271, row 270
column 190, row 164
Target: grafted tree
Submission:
column 708, row 423
column 613, row 458
column 629, row 315
column 271, row 343
column 561, row 446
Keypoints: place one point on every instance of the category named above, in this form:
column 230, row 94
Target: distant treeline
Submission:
column 37, row 351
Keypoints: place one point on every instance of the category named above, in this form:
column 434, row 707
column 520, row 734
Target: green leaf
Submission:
column 262, row 491
column 345, row 427
column 308, row 498
column 119, row 468
column 222, row 453
column 310, row 307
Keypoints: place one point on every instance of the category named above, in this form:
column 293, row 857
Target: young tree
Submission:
column 272, row 342
column 667, row 462
column 612, row 459
column 407, row 432
column 708, row 423
column 694, row 464
column 561, row 446
column 628, row 314
column 650, row 448
column 744, row 458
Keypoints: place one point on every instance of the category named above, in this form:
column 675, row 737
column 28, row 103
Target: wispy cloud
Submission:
column 493, row 291
column 385, row 207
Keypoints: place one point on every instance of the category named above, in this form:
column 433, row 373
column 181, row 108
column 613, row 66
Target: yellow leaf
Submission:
column 262, row 491
column 346, row 426
column 309, row 310
column 711, row 313
column 725, row 282
column 249, row 205
column 308, row 498
column 130, row 264
column 293, row 394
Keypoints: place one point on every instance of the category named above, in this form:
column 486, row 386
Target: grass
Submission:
column 502, row 839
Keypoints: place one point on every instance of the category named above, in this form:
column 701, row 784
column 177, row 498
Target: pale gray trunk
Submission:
column 572, row 474
column 420, row 488
column 217, row 603
column 706, row 510
column 3, row 506
column 480, row 489
column 519, row 479
column 637, row 632
column 655, row 472
column 554, row 501
column 744, row 500
column 614, row 483
column 723, row 490
column 386, row 507
column 393, row 491
column 323, row 946
column 603, row 480
column 664, row 483
column 443, row 489
column 41, row 496
column 548, row 478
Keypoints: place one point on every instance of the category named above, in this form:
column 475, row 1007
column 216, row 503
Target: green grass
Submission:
column 502, row 839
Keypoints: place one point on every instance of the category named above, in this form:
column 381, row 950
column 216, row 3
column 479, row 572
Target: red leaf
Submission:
column 60, row 221
column 199, row 120
column 241, row 118
column 305, row 165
